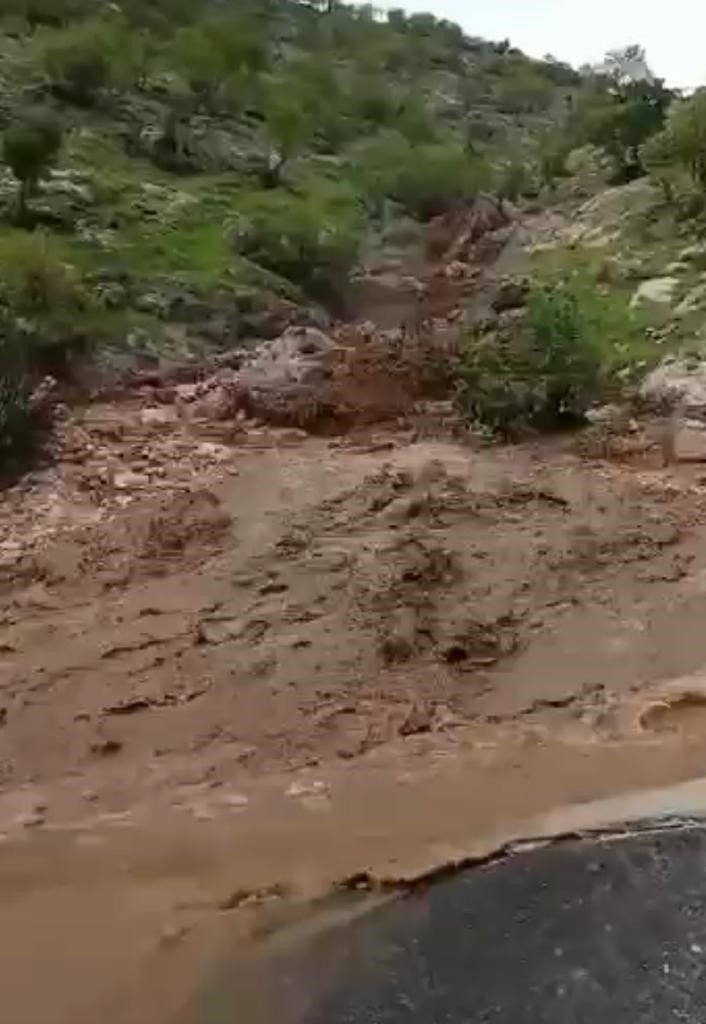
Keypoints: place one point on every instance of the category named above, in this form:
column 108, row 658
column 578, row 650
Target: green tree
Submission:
column 288, row 127
column 298, row 104
column 569, row 352
column 311, row 238
column 659, row 159
column 622, row 105
column 46, row 12
column 29, row 148
column 426, row 180
column 219, row 56
column 685, row 137
column 91, row 55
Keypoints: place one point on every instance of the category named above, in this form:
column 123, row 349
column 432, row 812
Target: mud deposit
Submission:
column 226, row 688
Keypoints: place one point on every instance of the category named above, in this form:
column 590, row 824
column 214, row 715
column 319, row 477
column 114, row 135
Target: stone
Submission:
column 214, row 451
column 692, row 301
column 418, row 720
column 677, row 380
column 173, row 933
column 236, row 801
column 690, row 443
column 657, row 291
column 512, row 294
column 218, row 631
column 129, row 481
column 308, row 789
column 31, row 819
column 694, row 255
column 302, row 355
column 186, row 392
column 159, row 417
column 217, row 404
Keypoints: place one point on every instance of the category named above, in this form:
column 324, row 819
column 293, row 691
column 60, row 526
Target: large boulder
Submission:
column 677, row 381
column 302, row 355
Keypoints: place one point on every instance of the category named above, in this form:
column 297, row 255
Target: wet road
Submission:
column 609, row 931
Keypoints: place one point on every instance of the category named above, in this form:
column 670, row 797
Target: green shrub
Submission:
column 524, row 92
column 22, row 422
column 43, row 299
column 515, row 180
column 35, row 277
column 311, row 239
column 29, row 147
column 681, row 144
column 218, row 56
column 571, row 350
column 87, row 57
column 426, row 180
column 18, row 424
column 46, row 12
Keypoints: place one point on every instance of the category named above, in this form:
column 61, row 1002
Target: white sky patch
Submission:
column 674, row 34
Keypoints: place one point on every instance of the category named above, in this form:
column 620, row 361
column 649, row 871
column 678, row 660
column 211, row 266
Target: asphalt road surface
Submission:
column 575, row 933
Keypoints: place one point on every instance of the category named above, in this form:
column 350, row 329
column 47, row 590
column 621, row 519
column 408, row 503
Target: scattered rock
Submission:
column 273, row 587
column 305, row 789
column 217, row 631
column 694, row 300
column 674, row 381
column 106, row 747
column 216, row 452
column 163, row 416
column 32, row 819
column 235, row 801
column 418, row 719
column 695, row 255
column 658, row 291
column 173, row 933
column 690, row 443
column 128, row 707
column 216, row 404
column 512, row 294
column 186, row 392
column 130, row 481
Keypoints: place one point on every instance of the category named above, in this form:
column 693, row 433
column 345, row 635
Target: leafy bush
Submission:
column 22, row 421
column 46, row 12
column 29, row 148
column 18, row 422
column 524, row 92
column 515, row 180
column 43, row 299
column 568, row 352
column 218, row 55
column 659, row 159
column 683, row 141
column 290, row 122
column 312, row 239
column 88, row 56
column 620, row 107
column 426, row 180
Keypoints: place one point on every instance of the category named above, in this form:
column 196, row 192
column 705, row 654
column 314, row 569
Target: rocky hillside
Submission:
column 211, row 165
column 182, row 180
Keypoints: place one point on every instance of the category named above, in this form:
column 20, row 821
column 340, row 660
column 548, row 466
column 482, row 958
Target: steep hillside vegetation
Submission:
column 181, row 176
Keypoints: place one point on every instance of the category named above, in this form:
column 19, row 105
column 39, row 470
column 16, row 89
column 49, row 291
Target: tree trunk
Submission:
column 23, row 193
